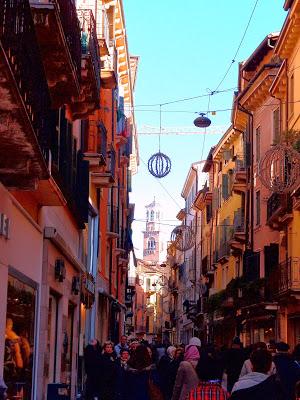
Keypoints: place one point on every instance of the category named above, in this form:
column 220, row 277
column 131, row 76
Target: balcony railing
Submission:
column 278, row 205
column 71, row 29
column 102, row 142
column 113, row 220
column 89, row 42
column 111, row 162
column 17, row 37
column 286, row 277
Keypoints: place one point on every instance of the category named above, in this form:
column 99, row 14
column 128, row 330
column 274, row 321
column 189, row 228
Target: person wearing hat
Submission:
column 187, row 378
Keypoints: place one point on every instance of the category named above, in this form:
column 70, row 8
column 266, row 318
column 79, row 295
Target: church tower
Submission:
column 152, row 240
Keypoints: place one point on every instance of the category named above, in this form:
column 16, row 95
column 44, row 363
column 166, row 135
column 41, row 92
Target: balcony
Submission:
column 103, row 32
column 106, row 178
column 239, row 182
column 109, row 73
column 58, row 33
column 113, row 222
column 239, row 231
column 95, row 143
column 224, row 252
column 88, row 100
column 25, row 129
column 286, row 278
column 279, row 210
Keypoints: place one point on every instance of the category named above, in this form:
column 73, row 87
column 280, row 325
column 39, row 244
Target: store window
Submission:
column 19, row 339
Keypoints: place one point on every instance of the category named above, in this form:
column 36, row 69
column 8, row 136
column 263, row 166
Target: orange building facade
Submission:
column 68, row 150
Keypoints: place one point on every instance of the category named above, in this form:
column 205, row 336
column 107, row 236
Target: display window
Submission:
column 19, row 339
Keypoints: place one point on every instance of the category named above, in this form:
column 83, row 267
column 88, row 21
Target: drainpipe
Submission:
column 250, row 205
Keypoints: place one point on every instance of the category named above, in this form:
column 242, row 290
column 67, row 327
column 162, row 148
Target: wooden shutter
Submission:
column 225, row 188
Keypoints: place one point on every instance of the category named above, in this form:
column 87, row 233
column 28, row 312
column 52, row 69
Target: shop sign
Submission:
column 87, row 290
column 4, row 226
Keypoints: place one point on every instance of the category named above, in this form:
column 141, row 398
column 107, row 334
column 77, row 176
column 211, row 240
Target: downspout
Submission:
column 250, row 205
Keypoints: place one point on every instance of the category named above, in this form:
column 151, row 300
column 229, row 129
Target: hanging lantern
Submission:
column 279, row 169
column 202, row 121
column 183, row 237
column 159, row 165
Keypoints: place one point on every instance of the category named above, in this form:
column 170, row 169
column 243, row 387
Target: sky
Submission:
column 185, row 48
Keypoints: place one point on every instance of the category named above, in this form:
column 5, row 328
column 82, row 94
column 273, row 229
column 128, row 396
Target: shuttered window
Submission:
column 225, row 186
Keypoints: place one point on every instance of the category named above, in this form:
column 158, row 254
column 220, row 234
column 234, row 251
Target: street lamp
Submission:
column 202, row 121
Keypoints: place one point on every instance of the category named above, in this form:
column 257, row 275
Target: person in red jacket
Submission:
column 209, row 370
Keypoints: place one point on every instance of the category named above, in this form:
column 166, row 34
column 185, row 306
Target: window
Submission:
column 151, row 244
column 257, row 202
column 148, row 284
column 257, row 142
column 292, row 96
column 147, row 215
column 19, row 337
column 157, row 215
column 276, row 125
column 225, row 186
column 152, row 216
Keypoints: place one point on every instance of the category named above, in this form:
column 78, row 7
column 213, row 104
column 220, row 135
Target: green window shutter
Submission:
column 225, row 186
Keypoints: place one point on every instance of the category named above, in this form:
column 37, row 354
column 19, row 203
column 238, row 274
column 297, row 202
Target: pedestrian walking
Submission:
column 92, row 361
column 122, row 345
column 142, row 380
column 186, row 378
column 121, row 363
column 247, row 366
column 209, row 371
column 258, row 384
column 173, row 369
column 108, row 372
column 288, row 371
column 164, row 370
column 234, row 360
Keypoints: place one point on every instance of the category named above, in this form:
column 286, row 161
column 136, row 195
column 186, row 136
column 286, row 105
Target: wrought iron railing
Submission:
column 288, row 275
column 224, row 250
column 17, row 36
column 238, row 220
column 71, row 27
column 278, row 203
column 89, row 41
column 102, row 140
column 113, row 221
column 111, row 162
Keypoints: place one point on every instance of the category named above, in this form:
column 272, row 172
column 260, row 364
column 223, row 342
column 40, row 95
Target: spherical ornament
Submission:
column 202, row 121
column 159, row 165
column 183, row 237
column 279, row 169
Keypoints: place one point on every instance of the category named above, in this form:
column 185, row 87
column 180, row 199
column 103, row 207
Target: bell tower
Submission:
column 152, row 245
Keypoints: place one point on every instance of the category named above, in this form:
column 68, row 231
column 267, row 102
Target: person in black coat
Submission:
column 258, row 384
column 141, row 376
column 164, row 371
column 92, row 360
column 234, row 360
column 108, row 373
column 287, row 369
column 121, row 363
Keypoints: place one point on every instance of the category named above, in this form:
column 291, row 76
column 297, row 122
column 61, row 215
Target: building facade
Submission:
column 57, row 229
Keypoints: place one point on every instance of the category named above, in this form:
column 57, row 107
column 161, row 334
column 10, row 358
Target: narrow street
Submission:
column 149, row 200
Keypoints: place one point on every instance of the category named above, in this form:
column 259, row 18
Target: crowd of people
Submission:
column 136, row 370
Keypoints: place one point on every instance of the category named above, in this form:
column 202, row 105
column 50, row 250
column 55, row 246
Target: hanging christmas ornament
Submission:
column 279, row 169
column 183, row 237
column 202, row 121
column 159, row 164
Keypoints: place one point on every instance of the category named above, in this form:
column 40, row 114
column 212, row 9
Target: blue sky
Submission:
column 185, row 49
